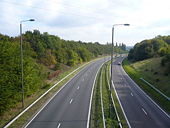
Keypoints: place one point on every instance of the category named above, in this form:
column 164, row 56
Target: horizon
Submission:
column 84, row 41
column 90, row 20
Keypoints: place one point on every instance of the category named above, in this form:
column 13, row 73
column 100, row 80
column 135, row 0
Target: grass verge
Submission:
column 116, row 102
column 109, row 112
column 136, row 75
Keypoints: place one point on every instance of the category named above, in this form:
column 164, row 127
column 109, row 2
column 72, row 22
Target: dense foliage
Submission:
column 10, row 72
column 51, row 49
column 41, row 51
column 157, row 47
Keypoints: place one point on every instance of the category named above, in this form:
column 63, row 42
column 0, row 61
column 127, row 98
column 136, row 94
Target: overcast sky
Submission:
column 88, row 20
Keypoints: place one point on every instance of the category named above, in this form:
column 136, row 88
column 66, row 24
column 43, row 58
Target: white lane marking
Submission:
column 113, row 86
column 131, row 94
column 144, row 111
column 114, row 102
column 6, row 126
column 59, row 125
column 78, row 88
column 101, row 99
column 85, row 66
column 71, row 101
column 91, row 96
column 146, row 94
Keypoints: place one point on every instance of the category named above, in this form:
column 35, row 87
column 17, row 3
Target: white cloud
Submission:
column 89, row 20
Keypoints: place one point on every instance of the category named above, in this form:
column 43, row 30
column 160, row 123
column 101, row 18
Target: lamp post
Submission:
column 22, row 73
column 112, row 61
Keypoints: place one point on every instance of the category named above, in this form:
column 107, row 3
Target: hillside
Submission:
column 156, row 47
column 45, row 56
column 152, row 71
column 150, row 60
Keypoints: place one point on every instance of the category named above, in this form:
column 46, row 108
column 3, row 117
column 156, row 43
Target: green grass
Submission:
column 117, row 105
column 110, row 115
column 96, row 111
column 152, row 72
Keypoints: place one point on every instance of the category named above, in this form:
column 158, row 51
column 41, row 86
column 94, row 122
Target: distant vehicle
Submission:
column 119, row 63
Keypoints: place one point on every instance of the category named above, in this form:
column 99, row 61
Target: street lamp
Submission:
column 22, row 73
column 112, row 60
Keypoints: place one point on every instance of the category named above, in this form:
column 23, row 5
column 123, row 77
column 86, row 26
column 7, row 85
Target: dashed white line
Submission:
column 59, row 125
column 137, row 86
column 78, row 88
column 71, row 101
column 144, row 111
column 131, row 94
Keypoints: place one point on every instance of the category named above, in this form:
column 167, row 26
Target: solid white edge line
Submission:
column 88, row 119
column 146, row 94
column 59, row 125
column 101, row 100
column 144, row 111
column 120, row 124
column 120, row 102
column 20, row 114
column 52, row 98
column 121, row 106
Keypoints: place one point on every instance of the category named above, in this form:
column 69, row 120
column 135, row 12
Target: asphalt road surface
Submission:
column 140, row 110
column 70, row 107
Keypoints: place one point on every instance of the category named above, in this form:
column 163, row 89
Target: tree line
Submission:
column 156, row 47
column 41, row 51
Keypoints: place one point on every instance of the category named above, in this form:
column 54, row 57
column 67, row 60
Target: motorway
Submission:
column 140, row 110
column 70, row 107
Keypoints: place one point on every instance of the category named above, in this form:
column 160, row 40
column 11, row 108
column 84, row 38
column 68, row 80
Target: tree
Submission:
column 41, row 51
column 84, row 54
column 10, row 72
column 72, row 58
column 149, row 48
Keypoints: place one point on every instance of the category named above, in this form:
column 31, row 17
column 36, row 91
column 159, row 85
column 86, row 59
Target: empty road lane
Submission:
column 70, row 107
column 139, row 109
